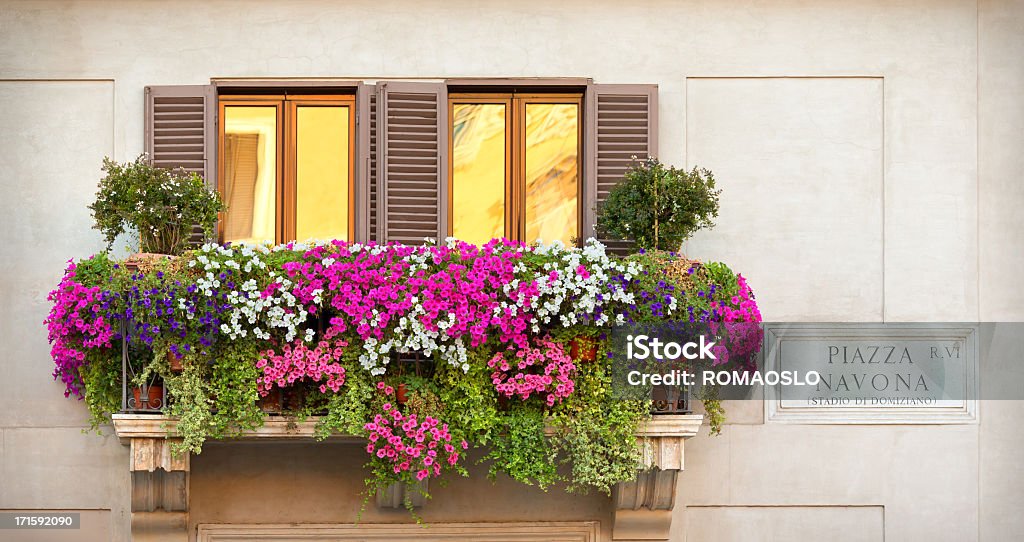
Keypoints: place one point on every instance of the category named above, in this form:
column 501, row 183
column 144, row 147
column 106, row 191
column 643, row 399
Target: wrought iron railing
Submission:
column 670, row 400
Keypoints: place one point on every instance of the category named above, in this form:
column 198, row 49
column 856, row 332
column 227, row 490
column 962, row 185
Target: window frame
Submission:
column 286, row 105
column 515, row 151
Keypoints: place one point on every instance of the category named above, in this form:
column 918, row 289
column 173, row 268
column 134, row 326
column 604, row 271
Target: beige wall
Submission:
column 869, row 152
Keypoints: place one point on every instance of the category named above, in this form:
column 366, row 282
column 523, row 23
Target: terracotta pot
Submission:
column 583, row 350
column 152, row 400
column 272, row 402
column 174, row 360
column 401, row 394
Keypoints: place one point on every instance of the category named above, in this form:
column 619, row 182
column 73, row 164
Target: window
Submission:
column 286, row 167
column 514, row 167
column 392, row 176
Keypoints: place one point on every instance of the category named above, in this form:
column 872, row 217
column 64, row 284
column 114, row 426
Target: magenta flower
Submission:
column 74, row 326
column 407, row 443
column 542, row 369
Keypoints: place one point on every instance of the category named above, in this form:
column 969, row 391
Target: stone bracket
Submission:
column 160, row 485
column 643, row 507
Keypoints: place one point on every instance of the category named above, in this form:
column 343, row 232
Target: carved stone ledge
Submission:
column 129, row 426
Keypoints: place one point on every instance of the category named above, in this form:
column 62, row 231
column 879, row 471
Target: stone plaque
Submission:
column 873, row 373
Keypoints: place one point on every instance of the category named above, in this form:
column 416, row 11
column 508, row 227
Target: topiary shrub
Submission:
column 658, row 206
column 160, row 205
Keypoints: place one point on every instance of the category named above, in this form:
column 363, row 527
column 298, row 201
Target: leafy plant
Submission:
column 596, row 432
column 191, row 406
column 346, row 412
column 522, row 450
column 658, row 206
column 101, row 378
column 159, row 205
column 233, row 384
column 713, row 408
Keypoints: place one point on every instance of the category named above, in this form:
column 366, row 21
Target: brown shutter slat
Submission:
column 622, row 123
column 374, row 223
column 181, row 132
column 411, row 159
column 365, row 188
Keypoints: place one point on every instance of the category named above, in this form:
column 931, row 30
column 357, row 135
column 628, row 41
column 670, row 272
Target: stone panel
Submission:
column 799, row 161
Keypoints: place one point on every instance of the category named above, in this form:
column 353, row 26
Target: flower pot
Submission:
column 583, row 350
column 293, row 398
column 401, row 394
column 148, row 397
column 668, row 400
column 272, row 402
column 174, row 360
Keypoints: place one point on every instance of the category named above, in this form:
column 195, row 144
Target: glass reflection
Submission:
column 250, row 173
column 478, row 172
column 552, row 174
column 321, row 172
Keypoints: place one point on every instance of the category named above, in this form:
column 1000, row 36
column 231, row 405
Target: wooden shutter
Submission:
column 364, row 189
column 412, row 139
column 374, row 181
column 622, row 123
column 181, row 131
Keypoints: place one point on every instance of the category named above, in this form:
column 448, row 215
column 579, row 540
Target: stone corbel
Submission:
column 643, row 507
column 159, row 491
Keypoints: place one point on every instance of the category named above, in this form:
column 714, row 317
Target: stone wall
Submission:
column 869, row 156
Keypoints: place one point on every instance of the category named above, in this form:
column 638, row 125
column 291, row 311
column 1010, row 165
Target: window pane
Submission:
column 321, row 172
column 478, row 172
column 552, row 172
column 250, row 171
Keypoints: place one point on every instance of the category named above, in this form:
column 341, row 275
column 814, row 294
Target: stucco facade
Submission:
column 869, row 157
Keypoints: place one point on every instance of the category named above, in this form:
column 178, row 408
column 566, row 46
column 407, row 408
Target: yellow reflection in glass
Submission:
column 321, row 172
column 552, row 172
column 250, row 171
column 478, row 172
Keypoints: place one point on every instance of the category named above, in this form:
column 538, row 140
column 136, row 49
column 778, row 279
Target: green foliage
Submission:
column 424, row 402
column 659, row 207
column 470, row 402
column 602, row 450
column 191, row 405
column 97, row 270
column 232, row 381
column 522, row 450
column 596, row 432
column 101, row 377
column 723, row 277
column 347, row 412
column 716, row 415
column 160, row 205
